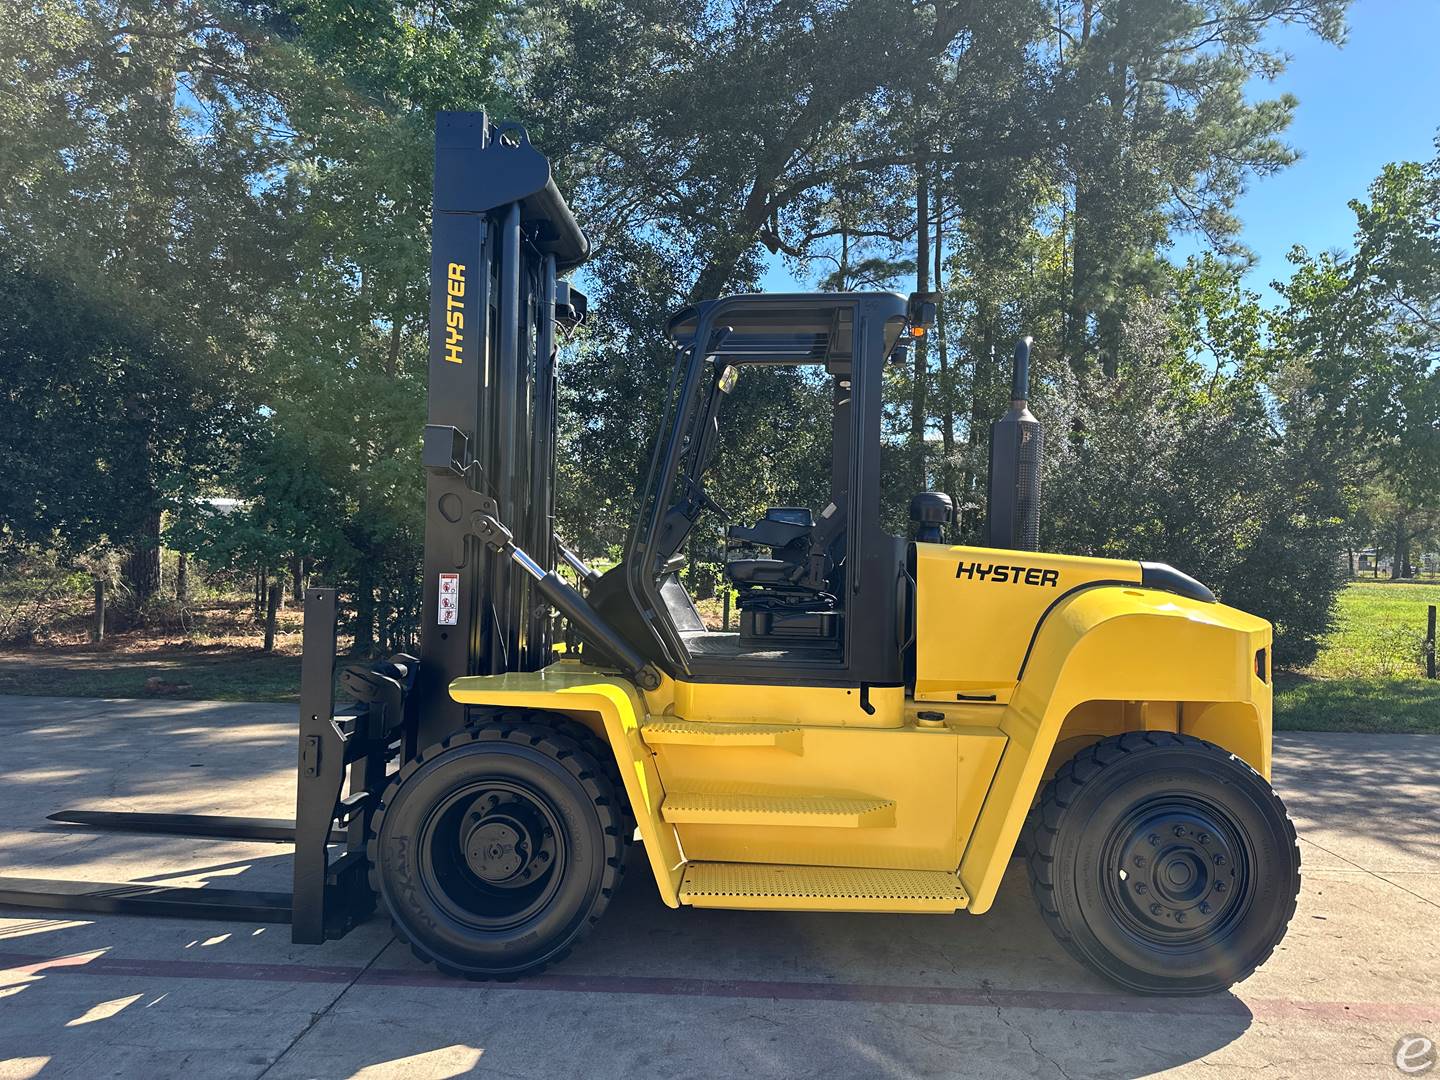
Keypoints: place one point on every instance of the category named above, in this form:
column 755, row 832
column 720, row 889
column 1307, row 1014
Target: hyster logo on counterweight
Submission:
column 1015, row 575
column 455, row 313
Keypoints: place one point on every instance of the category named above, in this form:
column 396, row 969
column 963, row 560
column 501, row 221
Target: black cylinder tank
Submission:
column 1016, row 444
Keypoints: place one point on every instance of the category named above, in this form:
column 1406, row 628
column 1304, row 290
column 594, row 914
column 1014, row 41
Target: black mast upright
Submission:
column 501, row 232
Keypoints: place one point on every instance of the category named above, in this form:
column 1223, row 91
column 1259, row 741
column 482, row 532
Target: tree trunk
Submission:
column 978, row 427
column 297, row 578
column 272, row 605
column 922, row 355
column 364, row 610
column 947, row 388
column 182, row 578
column 1402, row 550
column 142, row 564
column 383, row 622
column 97, row 626
column 392, row 355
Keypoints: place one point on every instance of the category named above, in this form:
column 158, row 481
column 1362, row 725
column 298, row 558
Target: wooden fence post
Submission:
column 1430, row 643
column 272, row 604
column 97, row 627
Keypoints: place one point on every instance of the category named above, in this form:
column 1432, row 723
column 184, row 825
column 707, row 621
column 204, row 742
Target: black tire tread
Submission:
column 596, row 746
column 1042, row 827
column 538, row 731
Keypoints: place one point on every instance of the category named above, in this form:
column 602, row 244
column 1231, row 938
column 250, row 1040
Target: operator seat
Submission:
column 793, row 593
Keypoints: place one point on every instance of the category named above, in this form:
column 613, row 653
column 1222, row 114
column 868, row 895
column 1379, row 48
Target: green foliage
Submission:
column 1360, row 334
column 1180, row 458
column 97, row 407
column 142, row 223
column 215, row 225
column 1383, row 706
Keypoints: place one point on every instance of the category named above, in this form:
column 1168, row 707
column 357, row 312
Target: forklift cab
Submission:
column 821, row 589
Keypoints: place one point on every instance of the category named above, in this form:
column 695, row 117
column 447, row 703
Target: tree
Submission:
column 1361, row 334
column 86, row 384
column 137, row 165
column 1190, row 454
column 1157, row 134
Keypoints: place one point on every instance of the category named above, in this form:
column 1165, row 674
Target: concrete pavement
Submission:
column 661, row 993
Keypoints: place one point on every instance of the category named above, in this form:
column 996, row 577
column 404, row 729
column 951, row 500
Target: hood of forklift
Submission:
column 979, row 611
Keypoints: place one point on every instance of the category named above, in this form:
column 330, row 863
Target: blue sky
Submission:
column 1375, row 100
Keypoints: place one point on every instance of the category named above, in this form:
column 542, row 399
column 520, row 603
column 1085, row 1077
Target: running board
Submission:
column 673, row 732
column 110, row 898
column 211, row 826
column 817, row 811
column 769, row 887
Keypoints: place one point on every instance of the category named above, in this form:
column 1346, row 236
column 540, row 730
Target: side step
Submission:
column 670, row 732
column 763, row 887
column 824, row 811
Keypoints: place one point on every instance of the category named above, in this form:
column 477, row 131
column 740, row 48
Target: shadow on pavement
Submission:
column 654, row 992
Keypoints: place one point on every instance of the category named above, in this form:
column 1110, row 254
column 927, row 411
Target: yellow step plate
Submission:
column 823, row 811
column 689, row 733
column 820, row 888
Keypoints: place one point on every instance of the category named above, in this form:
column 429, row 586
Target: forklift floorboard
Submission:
column 718, row 643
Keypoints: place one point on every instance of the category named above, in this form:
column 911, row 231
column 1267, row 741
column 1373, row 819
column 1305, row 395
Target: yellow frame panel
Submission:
column 1126, row 644
column 582, row 692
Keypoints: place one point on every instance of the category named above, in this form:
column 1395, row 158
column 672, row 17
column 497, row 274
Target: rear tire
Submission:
column 1163, row 863
column 497, row 850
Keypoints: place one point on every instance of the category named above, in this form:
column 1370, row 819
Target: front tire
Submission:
column 497, row 850
column 1163, row 863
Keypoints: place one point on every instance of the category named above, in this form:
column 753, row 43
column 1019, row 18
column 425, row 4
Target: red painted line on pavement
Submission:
column 662, row 986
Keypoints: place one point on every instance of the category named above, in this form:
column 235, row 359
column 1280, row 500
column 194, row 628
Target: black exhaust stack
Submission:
column 1016, row 442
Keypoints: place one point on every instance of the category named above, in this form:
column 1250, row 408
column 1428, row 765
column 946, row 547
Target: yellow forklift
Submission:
column 891, row 722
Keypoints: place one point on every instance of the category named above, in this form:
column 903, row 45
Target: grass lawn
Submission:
column 219, row 657
column 221, row 673
column 1369, row 675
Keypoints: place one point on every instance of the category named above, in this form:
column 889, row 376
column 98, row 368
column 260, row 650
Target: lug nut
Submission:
column 1155, row 909
column 1139, row 860
column 1179, row 830
column 1219, row 886
column 1204, row 838
column 1219, row 860
column 1142, row 888
column 1204, row 907
column 1179, row 916
column 1154, row 840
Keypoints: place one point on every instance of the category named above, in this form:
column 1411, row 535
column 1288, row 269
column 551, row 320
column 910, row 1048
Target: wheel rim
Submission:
column 1177, row 872
column 493, row 853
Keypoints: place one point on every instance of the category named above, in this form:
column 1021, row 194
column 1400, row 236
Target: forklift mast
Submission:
column 502, row 234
